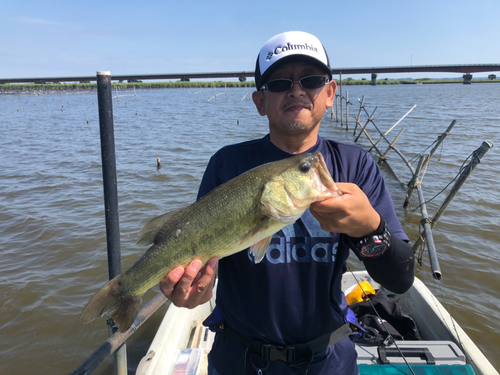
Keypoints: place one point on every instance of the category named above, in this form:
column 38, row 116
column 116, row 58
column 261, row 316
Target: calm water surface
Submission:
column 51, row 207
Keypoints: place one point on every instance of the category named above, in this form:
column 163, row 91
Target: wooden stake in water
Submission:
column 337, row 96
column 347, row 110
column 361, row 106
column 341, row 112
column 370, row 118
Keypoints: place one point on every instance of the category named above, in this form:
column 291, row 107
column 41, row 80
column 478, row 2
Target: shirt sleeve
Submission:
column 395, row 268
column 370, row 180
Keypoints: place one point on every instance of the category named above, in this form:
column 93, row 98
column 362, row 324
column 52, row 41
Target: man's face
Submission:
column 297, row 110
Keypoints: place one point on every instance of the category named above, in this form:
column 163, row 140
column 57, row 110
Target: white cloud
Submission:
column 39, row 21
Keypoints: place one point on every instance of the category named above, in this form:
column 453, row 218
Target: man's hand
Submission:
column 192, row 286
column 350, row 213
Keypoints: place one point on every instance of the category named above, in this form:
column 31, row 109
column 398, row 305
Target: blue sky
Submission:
column 70, row 38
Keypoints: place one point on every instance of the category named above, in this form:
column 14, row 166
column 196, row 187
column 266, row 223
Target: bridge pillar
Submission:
column 374, row 79
column 467, row 78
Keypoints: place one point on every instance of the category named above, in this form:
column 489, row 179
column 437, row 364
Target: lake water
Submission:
column 52, row 226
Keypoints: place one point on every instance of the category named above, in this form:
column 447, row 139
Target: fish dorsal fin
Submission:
column 259, row 250
column 150, row 231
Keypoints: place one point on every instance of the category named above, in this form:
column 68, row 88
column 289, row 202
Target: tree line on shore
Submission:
column 205, row 84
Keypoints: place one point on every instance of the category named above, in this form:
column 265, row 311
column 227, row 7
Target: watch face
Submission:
column 373, row 245
column 372, row 249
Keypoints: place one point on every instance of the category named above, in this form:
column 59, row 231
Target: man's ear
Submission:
column 260, row 102
column 332, row 88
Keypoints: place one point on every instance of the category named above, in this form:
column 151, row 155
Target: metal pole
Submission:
column 424, row 159
column 442, row 137
column 104, row 97
column 393, row 126
column 436, row 270
column 476, row 158
column 478, row 154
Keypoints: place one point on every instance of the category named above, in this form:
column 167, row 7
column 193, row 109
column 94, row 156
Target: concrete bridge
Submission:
column 466, row 69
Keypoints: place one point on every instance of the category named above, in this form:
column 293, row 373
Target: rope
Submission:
column 441, row 153
column 423, row 242
column 417, row 156
column 423, row 174
column 459, row 341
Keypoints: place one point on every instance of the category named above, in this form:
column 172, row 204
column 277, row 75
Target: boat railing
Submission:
column 117, row 340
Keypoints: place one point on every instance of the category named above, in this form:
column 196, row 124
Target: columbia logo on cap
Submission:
column 289, row 47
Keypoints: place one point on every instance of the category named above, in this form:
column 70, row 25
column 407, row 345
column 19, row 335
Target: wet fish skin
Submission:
column 244, row 212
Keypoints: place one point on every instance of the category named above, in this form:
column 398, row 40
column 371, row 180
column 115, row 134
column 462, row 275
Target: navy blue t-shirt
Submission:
column 294, row 295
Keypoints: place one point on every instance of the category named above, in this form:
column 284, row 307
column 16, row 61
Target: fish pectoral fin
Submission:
column 259, row 250
column 153, row 227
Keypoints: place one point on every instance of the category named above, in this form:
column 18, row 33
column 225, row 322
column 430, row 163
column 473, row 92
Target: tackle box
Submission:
column 415, row 370
column 415, row 352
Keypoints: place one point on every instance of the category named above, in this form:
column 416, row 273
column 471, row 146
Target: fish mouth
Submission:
column 323, row 172
column 323, row 177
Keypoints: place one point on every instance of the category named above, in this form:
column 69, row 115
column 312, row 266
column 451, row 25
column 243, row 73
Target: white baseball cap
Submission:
column 287, row 47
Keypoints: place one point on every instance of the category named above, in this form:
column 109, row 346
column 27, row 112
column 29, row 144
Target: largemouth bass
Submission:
column 242, row 213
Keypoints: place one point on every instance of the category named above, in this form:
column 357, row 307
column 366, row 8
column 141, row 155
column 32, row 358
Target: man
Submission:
column 286, row 314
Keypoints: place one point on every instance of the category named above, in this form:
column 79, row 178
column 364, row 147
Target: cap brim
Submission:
column 290, row 59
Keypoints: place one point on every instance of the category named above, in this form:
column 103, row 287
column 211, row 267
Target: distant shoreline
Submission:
column 19, row 87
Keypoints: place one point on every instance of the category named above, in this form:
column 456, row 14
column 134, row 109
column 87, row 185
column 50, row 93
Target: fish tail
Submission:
column 112, row 300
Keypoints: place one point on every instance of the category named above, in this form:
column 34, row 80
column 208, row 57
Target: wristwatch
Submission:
column 373, row 245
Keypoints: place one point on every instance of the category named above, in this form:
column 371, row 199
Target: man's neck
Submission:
column 294, row 143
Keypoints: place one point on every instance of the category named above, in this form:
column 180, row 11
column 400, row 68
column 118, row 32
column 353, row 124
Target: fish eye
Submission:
column 304, row 167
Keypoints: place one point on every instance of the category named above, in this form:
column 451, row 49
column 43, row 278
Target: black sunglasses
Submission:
column 282, row 84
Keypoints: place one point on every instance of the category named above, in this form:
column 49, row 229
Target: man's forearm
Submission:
column 395, row 268
column 390, row 262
